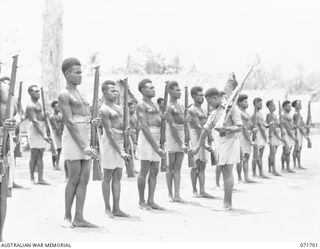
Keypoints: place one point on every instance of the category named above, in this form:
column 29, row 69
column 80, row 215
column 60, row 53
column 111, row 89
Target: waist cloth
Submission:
column 228, row 149
column 146, row 151
column 70, row 149
column 203, row 154
column 244, row 143
column 35, row 140
column 172, row 145
column 110, row 158
column 274, row 141
column 260, row 141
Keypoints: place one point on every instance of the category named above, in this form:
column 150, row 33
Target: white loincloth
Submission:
column 260, row 141
column 228, row 149
column 274, row 141
column 172, row 145
column 146, row 151
column 288, row 143
column 245, row 144
column 35, row 140
column 70, row 149
column 110, row 158
column 203, row 154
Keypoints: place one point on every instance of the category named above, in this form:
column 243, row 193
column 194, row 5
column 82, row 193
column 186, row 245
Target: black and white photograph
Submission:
column 149, row 123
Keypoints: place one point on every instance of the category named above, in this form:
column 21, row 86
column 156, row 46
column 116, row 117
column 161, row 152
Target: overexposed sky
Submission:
column 217, row 36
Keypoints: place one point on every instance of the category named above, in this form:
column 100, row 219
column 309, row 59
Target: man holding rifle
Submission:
column 149, row 119
column 175, row 141
column 198, row 119
column 36, row 134
column 75, row 142
column 113, row 155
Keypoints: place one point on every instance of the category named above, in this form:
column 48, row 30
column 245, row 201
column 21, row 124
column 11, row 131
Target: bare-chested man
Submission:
column 75, row 142
column 198, row 119
column 149, row 119
column 299, row 128
column 57, row 127
column 274, row 136
column 245, row 139
column 175, row 141
column 227, row 142
column 288, row 137
column 36, row 134
column 10, row 125
column 112, row 152
column 261, row 138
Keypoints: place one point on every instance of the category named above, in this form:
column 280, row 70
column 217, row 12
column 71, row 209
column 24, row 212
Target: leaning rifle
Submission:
column 164, row 161
column 191, row 162
column 308, row 125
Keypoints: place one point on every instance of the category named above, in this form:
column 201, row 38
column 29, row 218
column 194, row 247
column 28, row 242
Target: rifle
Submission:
column 96, row 167
column 164, row 161
column 308, row 125
column 212, row 155
column 17, row 150
column 254, row 137
column 224, row 110
column 126, row 137
column 191, row 162
column 49, row 130
column 280, row 120
column 9, row 114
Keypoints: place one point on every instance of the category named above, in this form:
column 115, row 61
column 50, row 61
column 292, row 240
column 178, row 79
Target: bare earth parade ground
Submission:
column 278, row 209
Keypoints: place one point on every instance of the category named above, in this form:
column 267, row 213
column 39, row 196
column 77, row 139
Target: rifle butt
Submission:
column 309, row 143
column 191, row 161
column 129, row 168
column 96, row 171
column 164, row 164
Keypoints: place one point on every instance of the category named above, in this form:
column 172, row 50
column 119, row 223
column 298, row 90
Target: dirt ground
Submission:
column 278, row 209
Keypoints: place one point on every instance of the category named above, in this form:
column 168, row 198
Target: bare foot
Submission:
column 263, row 176
column 67, row 223
column 290, row 171
column 119, row 213
column 206, row 195
column 276, row 173
column 300, row 167
column 43, row 182
column 195, row 194
column 249, row 181
column 179, row 199
column 171, row 198
column 33, row 181
column 109, row 213
column 14, row 185
column 83, row 223
column 144, row 206
column 57, row 168
column 155, row 206
column 227, row 207
column 254, row 175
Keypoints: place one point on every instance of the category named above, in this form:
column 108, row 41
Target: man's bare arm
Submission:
column 66, row 111
column 172, row 127
column 195, row 122
column 288, row 128
column 145, row 128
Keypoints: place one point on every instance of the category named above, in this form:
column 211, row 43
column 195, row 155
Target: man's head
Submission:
column 71, row 69
column 243, row 101
column 213, row 97
column 197, row 94
column 132, row 107
column 257, row 103
column 55, row 106
column 147, row 89
column 174, row 89
column 34, row 92
column 271, row 105
column 160, row 102
column 109, row 90
column 286, row 105
column 296, row 104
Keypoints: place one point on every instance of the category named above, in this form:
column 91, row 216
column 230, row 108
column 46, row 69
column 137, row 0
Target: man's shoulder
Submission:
column 64, row 93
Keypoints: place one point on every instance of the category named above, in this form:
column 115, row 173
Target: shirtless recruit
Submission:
column 149, row 119
column 112, row 152
column 175, row 141
column 36, row 134
column 274, row 136
column 75, row 142
column 198, row 119
column 289, row 138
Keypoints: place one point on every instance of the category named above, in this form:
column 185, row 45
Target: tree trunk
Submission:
column 52, row 48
